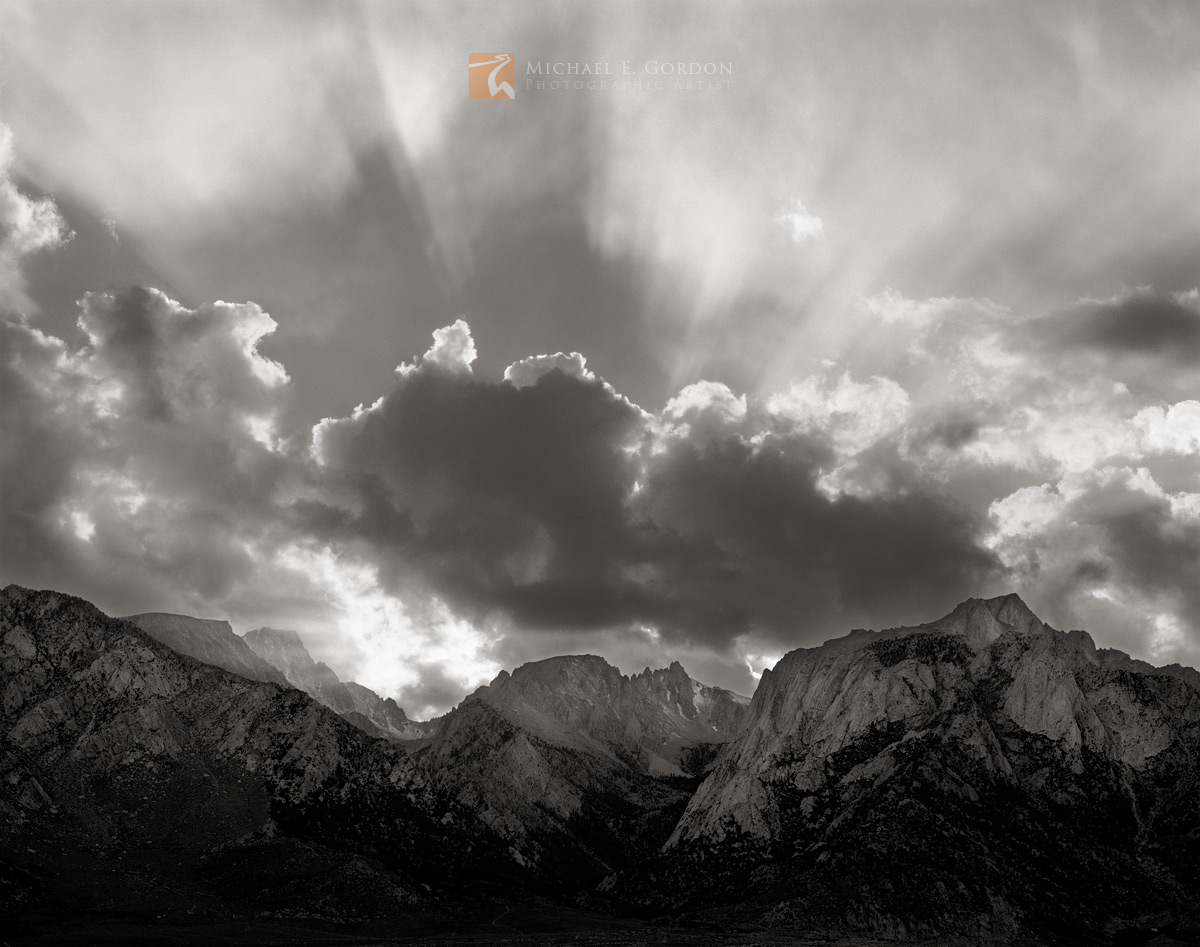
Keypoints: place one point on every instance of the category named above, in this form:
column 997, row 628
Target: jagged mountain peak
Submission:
column 583, row 701
column 578, row 666
column 673, row 671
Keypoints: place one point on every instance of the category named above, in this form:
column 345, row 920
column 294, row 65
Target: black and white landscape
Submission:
column 652, row 496
column 982, row 778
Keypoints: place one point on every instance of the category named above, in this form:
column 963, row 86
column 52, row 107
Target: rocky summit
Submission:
column 980, row 779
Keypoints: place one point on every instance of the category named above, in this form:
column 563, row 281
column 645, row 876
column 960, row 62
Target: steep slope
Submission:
column 210, row 641
column 582, row 769
column 376, row 715
column 982, row 776
column 140, row 781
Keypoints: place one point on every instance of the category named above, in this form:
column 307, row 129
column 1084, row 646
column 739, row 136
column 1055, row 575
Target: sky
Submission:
column 898, row 307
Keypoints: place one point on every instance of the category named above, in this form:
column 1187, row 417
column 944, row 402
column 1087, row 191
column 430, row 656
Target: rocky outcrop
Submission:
column 210, row 641
column 983, row 776
column 360, row 705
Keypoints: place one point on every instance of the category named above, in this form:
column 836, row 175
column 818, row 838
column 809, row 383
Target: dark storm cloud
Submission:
column 1142, row 322
column 560, row 505
column 1151, row 549
column 433, row 693
column 742, row 538
column 502, row 496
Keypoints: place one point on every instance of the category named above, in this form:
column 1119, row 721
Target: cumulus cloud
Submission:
column 430, row 534
column 499, row 496
column 146, row 457
column 420, row 651
column 527, row 371
column 1078, row 431
column 801, row 225
column 1113, row 549
column 152, row 357
column 856, row 414
column 26, row 226
column 702, row 409
column 559, row 505
column 1169, row 429
column 707, row 397
column 959, row 445
column 453, row 348
column 459, row 523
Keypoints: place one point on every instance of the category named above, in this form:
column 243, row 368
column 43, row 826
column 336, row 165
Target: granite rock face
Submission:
column 210, row 641
column 983, row 776
column 360, row 705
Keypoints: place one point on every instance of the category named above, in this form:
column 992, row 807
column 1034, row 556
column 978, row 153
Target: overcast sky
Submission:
column 295, row 333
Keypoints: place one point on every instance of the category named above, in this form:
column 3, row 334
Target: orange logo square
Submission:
column 492, row 75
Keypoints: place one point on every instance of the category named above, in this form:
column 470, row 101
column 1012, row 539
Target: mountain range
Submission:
column 980, row 779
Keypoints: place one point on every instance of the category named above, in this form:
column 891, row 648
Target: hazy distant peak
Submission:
column 282, row 636
column 358, row 703
column 209, row 640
